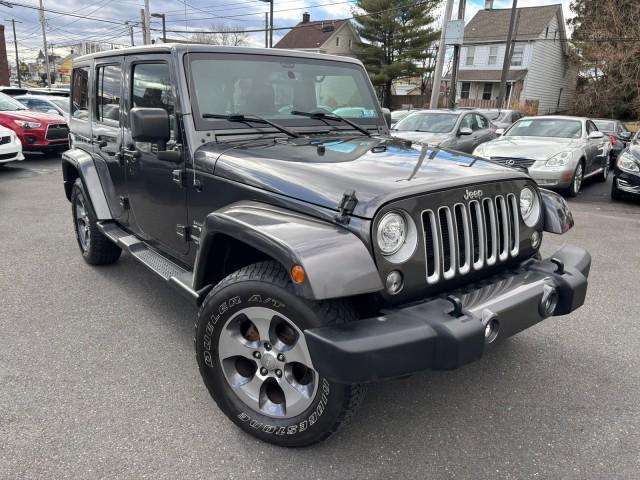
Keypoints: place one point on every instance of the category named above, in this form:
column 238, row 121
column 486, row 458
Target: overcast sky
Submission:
column 63, row 30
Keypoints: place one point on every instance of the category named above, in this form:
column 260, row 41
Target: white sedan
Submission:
column 559, row 152
column 10, row 146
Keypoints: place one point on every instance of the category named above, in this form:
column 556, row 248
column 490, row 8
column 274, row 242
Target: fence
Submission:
column 529, row 107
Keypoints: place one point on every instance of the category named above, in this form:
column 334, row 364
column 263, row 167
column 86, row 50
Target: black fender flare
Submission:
column 557, row 215
column 336, row 262
column 77, row 163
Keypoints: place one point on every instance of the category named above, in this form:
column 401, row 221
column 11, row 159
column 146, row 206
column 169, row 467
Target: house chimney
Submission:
column 306, row 17
column 488, row 4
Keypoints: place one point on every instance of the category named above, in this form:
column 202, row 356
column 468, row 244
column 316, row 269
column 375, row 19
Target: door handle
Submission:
column 99, row 141
column 131, row 154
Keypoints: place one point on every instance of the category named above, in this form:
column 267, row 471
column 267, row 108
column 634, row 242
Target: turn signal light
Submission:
column 297, row 274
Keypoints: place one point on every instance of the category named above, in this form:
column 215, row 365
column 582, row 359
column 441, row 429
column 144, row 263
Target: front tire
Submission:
column 95, row 247
column 253, row 358
column 576, row 181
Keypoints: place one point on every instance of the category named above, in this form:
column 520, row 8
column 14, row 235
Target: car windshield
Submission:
column 8, row 104
column 605, row 125
column 427, row 122
column 272, row 87
column 546, row 127
column 61, row 102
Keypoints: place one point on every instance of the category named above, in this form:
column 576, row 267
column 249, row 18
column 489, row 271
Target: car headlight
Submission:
column 25, row 124
column 628, row 163
column 559, row 159
column 529, row 206
column 392, row 232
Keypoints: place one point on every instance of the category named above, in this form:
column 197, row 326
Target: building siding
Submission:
column 345, row 33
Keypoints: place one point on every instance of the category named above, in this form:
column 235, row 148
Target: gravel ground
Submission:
column 98, row 377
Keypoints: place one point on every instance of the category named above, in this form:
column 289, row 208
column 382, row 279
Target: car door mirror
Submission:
column 499, row 131
column 149, row 124
column 386, row 113
column 465, row 131
column 596, row 135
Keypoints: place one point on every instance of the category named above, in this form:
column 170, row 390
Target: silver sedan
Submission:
column 559, row 152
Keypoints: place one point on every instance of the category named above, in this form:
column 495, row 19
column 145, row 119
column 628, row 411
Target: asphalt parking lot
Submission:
column 98, row 378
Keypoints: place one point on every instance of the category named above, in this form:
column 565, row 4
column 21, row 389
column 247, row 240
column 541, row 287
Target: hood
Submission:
column 33, row 116
column 322, row 171
column 535, row 148
column 423, row 137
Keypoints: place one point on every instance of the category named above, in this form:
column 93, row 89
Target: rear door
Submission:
column 596, row 149
column 156, row 195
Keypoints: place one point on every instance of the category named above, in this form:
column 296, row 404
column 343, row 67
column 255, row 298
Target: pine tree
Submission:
column 396, row 37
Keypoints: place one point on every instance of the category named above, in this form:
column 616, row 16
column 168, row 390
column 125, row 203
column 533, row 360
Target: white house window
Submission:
column 487, row 90
column 337, row 41
column 464, row 89
column 493, row 55
column 470, row 54
column 518, row 54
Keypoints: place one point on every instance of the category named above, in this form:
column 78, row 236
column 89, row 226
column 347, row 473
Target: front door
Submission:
column 155, row 194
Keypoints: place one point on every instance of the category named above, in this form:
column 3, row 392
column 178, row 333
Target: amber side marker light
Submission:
column 297, row 274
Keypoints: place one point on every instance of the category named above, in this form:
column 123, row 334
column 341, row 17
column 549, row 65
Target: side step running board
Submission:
column 158, row 263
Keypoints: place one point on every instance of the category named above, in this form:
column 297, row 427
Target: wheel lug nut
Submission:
column 267, row 346
column 281, row 357
column 256, row 355
column 278, row 373
column 264, row 371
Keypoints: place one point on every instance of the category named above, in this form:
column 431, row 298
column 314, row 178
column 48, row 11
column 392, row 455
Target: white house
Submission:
column 540, row 65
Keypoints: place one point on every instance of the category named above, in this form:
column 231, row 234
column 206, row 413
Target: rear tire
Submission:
column 602, row 177
column 96, row 248
column 254, row 361
column 576, row 181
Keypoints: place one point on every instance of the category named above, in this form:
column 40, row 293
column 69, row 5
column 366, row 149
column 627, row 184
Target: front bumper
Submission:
column 626, row 182
column 548, row 178
column 446, row 333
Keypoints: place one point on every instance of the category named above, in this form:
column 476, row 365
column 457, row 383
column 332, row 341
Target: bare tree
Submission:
column 222, row 34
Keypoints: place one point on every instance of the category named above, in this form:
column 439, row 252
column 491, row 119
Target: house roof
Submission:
column 493, row 25
column 309, row 34
column 489, row 75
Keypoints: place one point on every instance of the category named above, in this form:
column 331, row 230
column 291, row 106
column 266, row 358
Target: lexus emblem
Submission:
column 511, row 162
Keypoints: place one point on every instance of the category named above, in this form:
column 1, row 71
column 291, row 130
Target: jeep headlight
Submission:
column 392, row 232
column 559, row 159
column 529, row 206
column 628, row 163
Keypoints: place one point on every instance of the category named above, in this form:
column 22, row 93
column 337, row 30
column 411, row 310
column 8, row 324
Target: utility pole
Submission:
column 266, row 30
column 507, row 56
column 164, row 28
column 144, row 27
column 15, row 44
column 456, row 59
column 130, row 33
column 442, row 50
column 44, row 41
column 53, row 57
column 270, row 2
column 147, row 22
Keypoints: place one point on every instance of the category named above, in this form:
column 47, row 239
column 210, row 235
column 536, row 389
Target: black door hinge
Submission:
column 178, row 177
column 346, row 207
column 124, row 203
column 183, row 231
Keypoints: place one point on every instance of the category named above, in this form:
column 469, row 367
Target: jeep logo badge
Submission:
column 473, row 194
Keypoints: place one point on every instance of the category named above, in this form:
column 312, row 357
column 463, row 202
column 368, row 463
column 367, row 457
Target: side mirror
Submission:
column 149, row 124
column 626, row 136
column 465, row 131
column 596, row 135
column 386, row 113
column 499, row 131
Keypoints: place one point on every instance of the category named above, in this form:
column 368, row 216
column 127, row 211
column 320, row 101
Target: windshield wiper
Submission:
column 330, row 116
column 239, row 117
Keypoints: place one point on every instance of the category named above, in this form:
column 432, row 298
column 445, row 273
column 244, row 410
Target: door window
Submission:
column 108, row 94
column 590, row 127
column 480, row 122
column 467, row 122
column 151, row 88
column 80, row 93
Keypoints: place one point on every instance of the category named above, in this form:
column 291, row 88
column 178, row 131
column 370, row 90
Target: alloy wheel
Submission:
column 82, row 223
column 265, row 360
column 577, row 179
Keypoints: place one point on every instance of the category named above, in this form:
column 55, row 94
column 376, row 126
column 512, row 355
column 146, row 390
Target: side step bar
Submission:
column 163, row 267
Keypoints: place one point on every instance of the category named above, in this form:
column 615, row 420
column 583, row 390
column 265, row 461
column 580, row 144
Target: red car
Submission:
column 37, row 131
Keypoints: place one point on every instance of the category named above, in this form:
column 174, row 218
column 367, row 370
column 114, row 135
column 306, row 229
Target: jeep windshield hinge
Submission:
column 346, row 207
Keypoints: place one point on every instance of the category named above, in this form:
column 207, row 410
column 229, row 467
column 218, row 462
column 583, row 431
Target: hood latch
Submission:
column 346, row 207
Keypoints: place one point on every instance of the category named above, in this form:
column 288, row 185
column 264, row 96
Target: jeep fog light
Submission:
column 394, row 282
column 536, row 239
column 549, row 301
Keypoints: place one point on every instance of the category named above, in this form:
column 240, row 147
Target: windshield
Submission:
column 272, row 87
column 427, row 122
column 62, row 103
column 605, row 125
column 8, row 104
column 546, row 127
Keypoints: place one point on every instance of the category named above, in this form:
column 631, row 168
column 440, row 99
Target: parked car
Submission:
column 42, row 103
column 618, row 134
column 322, row 253
column 398, row 115
column 37, row 131
column 557, row 151
column 502, row 118
column 51, row 92
column 13, row 91
column 461, row 130
column 10, row 147
column 626, row 173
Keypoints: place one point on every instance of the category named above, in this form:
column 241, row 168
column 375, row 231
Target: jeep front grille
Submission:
column 470, row 236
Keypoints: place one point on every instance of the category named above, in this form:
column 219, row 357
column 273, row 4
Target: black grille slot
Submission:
column 476, row 217
column 446, row 240
column 460, row 217
column 500, row 225
column 514, row 231
column 489, row 231
column 429, row 241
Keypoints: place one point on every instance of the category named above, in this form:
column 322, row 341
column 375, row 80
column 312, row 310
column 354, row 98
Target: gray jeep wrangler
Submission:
column 324, row 254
